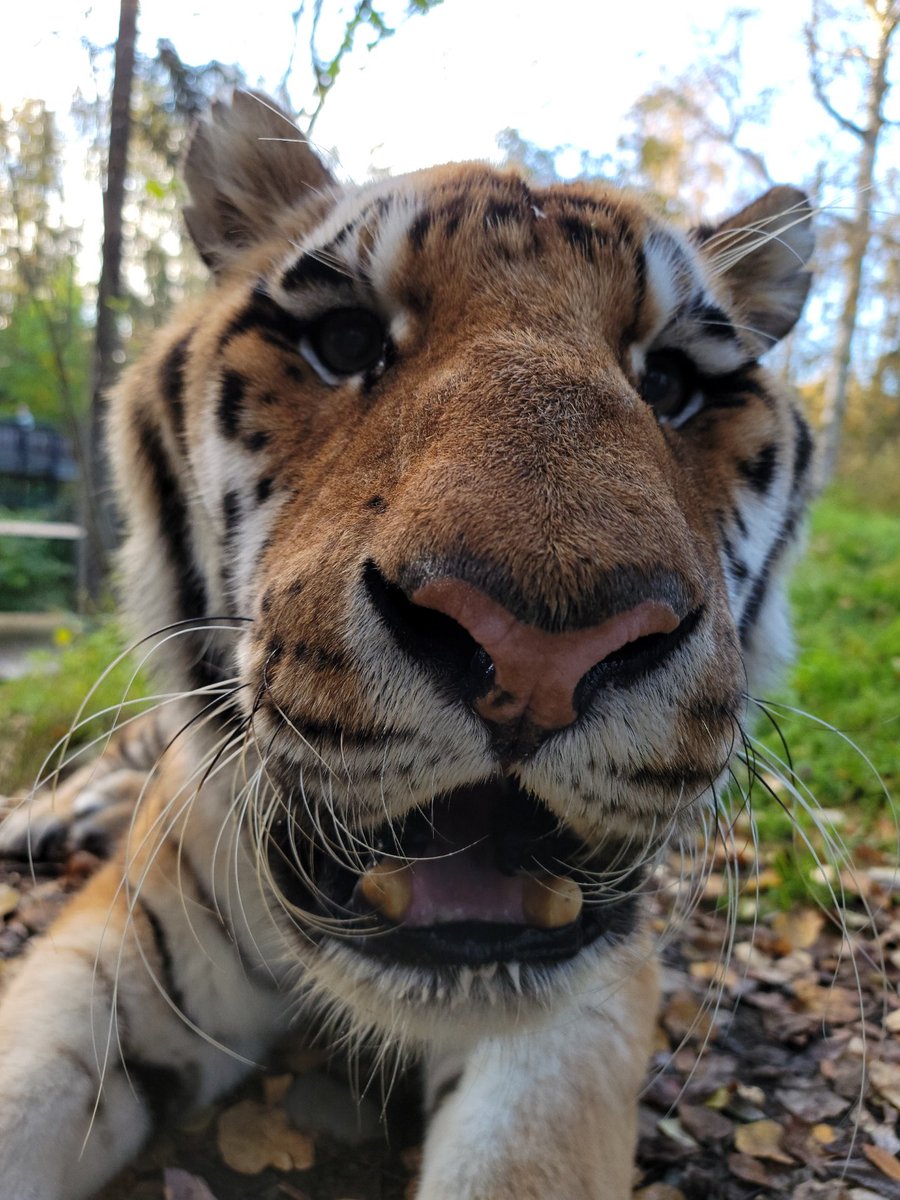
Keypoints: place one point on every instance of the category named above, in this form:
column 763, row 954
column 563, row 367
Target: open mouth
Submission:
column 485, row 874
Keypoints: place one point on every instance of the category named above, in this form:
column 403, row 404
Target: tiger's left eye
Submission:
column 669, row 382
column 348, row 341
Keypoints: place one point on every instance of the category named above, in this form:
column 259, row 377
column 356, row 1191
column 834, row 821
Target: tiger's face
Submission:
column 491, row 485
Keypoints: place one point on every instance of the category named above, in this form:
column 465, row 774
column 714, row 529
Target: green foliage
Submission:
column 45, row 353
column 36, row 575
column 37, row 711
column 844, row 738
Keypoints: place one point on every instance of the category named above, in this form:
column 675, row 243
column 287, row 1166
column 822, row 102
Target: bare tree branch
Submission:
column 820, row 87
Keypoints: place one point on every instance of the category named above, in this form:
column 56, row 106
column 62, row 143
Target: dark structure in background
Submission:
column 36, row 462
column 40, row 568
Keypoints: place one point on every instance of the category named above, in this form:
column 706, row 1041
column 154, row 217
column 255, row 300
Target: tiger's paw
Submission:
column 86, row 812
column 89, row 809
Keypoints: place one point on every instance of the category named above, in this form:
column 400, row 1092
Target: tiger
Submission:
column 458, row 513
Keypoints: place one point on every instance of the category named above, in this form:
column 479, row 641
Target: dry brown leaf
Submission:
column 292, row 1193
column 797, row 930
column 885, row 1078
column 763, row 881
column 823, row 1134
column 179, row 1185
column 886, row 1163
column 892, row 1021
column 275, row 1088
column 811, row 1103
column 253, row 1137
column 705, row 1123
column 749, row 1169
column 835, row 1005
column 762, row 1139
column 715, row 973
column 684, row 1017
column 9, row 899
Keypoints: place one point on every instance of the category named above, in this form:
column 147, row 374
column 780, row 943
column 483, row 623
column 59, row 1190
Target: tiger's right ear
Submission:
column 246, row 163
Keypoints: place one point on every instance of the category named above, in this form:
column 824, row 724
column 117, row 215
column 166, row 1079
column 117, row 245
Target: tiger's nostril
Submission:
column 510, row 670
column 537, row 673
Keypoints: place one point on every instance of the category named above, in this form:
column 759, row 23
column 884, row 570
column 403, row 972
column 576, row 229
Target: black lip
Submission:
column 479, row 943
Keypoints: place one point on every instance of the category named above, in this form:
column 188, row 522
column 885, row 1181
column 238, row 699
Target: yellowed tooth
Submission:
column 551, row 901
column 388, row 888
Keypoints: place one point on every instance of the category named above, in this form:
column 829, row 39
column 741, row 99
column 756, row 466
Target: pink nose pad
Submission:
column 536, row 672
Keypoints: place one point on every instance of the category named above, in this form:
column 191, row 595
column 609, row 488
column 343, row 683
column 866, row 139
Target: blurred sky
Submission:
column 559, row 71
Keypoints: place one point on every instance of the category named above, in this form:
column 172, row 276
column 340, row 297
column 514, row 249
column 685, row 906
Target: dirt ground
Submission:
column 777, row 1075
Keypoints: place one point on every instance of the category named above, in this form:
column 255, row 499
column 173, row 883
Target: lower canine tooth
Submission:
column 388, row 888
column 551, row 901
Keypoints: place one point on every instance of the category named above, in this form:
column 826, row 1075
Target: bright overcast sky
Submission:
column 560, row 71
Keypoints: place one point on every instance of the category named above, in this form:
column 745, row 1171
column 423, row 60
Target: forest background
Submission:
column 707, row 111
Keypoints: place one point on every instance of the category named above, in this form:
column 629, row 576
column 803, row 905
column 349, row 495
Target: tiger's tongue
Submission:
column 455, row 878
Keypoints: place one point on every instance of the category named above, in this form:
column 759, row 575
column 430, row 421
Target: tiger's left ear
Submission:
column 246, row 165
column 761, row 255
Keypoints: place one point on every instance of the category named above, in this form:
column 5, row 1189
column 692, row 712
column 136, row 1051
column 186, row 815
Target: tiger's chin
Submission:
column 482, row 906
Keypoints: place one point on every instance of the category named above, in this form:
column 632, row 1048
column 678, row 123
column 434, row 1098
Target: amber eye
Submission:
column 669, row 383
column 348, row 341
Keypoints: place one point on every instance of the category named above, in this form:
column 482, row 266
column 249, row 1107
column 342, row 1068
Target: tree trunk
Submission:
column 98, row 517
column 835, row 397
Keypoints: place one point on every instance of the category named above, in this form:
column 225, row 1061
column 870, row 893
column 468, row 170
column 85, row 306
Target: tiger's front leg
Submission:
column 134, row 1003
column 544, row 1115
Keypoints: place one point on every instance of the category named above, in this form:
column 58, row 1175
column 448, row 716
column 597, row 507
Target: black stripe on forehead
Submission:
column 715, row 322
column 313, row 269
column 602, row 215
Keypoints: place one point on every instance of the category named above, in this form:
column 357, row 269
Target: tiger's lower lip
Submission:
column 479, row 943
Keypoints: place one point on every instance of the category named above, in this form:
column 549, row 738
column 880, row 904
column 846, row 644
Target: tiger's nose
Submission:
column 535, row 672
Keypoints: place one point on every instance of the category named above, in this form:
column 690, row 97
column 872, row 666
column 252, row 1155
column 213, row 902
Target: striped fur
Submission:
column 276, row 508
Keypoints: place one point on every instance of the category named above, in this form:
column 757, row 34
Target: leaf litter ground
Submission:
column 776, row 1070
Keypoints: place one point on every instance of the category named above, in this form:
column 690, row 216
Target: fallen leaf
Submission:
column 720, row 1098
column 885, row 1078
column 715, row 973
column 275, row 1088
column 252, row 1137
column 763, row 881
column 672, row 1128
column 811, row 1103
column 749, row 1169
column 799, row 929
column 705, row 1123
column 684, row 1017
column 761, row 1139
column 833, row 1189
column 9, row 900
column 886, row 1163
column 892, row 1021
column 179, row 1185
column 835, row 1005
column 823, row 1134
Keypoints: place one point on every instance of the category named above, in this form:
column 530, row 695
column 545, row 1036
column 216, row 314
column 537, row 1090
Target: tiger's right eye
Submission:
column 348, row 341
column 669, row 383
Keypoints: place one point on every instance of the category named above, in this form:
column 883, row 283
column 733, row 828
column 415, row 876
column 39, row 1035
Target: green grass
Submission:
column 38, row 710
column 846, row 603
